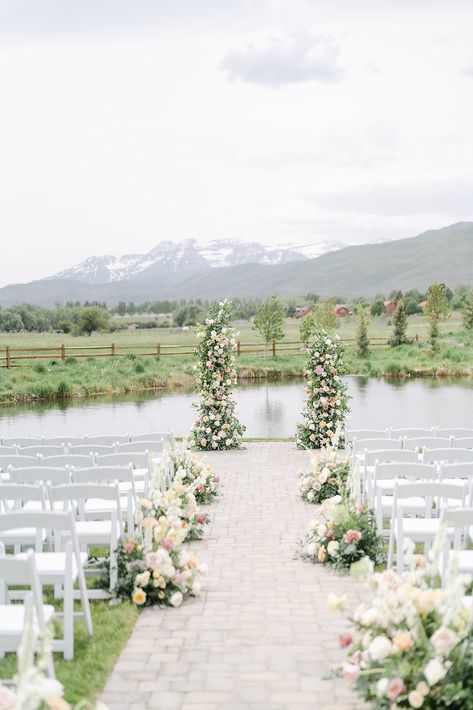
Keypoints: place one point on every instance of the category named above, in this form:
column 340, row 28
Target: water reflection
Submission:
column 267, row 409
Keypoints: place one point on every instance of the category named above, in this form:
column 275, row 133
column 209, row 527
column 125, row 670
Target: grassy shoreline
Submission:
column 58, row 380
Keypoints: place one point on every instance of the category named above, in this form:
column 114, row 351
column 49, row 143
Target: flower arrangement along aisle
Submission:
column 342, row 534
column 327, row 399
column 192, row 472
column 217, row 426
column 413, row 641
column 328, row 478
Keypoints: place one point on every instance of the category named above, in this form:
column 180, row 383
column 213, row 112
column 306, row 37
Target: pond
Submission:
column 269, row 410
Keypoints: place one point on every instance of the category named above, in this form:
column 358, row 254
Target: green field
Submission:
column 54, row 378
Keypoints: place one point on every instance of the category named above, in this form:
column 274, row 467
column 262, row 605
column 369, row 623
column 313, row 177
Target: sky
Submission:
column 127, row 122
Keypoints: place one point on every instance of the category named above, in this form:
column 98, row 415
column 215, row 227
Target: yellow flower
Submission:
column 193, row 562
column 321, row 555
column 139, row 597
column 203, row 442
column 330, row 524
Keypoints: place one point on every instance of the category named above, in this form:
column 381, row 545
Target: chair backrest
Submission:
column 351, row 434
column 141, row 446
column 18, row 461
column 13, row 496
column 426, row 442
column 8, row 450
column 437, row 495
column 464, row 442
column 101, row 474
column 447, row 455
column 40, row 474
column 137, row 460
column 47, row 520
column 91, row 448
column 77, row 460
column 456, row 470
column 42, row 450
column 411, row 433
column 22, row 573
column 410, row 471
column 462, row 433
column 389, row 455
column 165, row 436
column 75, row 495
column 361, row 445
column 64, row 440
column 21, row 441
column 108, row 439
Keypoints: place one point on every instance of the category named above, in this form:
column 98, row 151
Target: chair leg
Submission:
column 68, row 620
column 84, row 599
column 399, row 555
column 391, row 547
column 113, row 570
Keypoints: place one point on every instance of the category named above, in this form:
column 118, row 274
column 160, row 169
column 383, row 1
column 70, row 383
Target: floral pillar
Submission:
column 327, row 399
column 217, row 427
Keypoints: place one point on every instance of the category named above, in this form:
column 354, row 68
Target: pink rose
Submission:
column 351, row 536
column 350, row 672
column 396, row 688
column 345, row 640
column 167, row 544
column 201, row 518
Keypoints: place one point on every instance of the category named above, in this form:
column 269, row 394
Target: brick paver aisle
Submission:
column 260, row 636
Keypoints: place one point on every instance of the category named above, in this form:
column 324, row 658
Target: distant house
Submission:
column 390, row 307
column 304, row 311
column 422, row 305
column 132, row 326
column 341, row 310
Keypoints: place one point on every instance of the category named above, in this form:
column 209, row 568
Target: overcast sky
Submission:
column 126, row 122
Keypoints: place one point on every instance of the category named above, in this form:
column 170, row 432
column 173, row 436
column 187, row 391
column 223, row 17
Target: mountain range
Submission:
column 236, row 269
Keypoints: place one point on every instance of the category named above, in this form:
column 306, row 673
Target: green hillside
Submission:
column 438, row 255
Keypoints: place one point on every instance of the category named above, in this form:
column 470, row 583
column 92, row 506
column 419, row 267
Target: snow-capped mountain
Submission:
column 186, row 256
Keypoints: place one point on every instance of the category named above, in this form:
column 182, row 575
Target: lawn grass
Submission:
column 94, row 657
column 56, row 379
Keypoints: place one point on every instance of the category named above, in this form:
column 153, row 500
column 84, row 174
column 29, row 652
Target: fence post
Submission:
column 417, row 337
column 63, row 352
column 7, row 355
column 113, row 350
column 238, row 348
column 274, row 348
column 158, row 349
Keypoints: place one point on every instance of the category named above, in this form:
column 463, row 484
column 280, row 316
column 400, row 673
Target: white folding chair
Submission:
column 18, row 461
column 362, row 445
column 422, row 531
column 14, row 617
column 166, row 436
column 43, row 450
column 109, row 475
column 60, row 568
column 95, row 528
column 77, row 460
column 65, row 440
column 384, row 480
column 461, row 433
column 460, row 472
column 351, row 434
column 427, row 442
column 40, row 474
column 108, row 439
column 9, row 450
column 460, row 522
column 90, row 449
column 26, row 498
column 22, row 441
column 140, row 462
column 371, row 458
column 155, row 447
column 447, row 455
column 411, row 432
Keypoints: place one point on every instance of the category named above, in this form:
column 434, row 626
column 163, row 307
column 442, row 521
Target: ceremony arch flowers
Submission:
column 217, row 426
column 327, row 399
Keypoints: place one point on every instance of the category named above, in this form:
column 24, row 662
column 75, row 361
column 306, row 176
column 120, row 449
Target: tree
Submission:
column 92, row 319
column 377, row 307
column 399, row 336
column 269, row 320
column 307, row 328
column 468, row 313
column 362, row 340
column 190, row 314
column 436, row 308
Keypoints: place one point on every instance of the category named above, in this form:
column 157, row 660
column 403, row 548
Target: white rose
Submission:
column 176, row 599
column 370, row 617
column 380, row 648
column 168, row 571
column 434, row 671
column 444, row 640
column 196, row 589
column 335, row 603
column 416, row 699
column 141, row 580
column 382, row 687
column 311, row 548
column 310, row 495
column 332, row 548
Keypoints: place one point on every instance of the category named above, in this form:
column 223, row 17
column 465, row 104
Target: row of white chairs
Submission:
column 82, row 449
column 139, row 460
column 410, row 432
column 417, row 442
column 102, row 439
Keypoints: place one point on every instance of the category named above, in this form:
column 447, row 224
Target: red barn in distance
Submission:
column 390, row 307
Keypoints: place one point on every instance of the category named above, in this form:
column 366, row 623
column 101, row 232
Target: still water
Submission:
column 268, row 410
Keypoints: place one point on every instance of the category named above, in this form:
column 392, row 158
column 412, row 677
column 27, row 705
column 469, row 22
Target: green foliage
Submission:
column 92, row 319
column 467, row 313
column 399, row 336
column 308, row 327
column 269, row 320
column 377, row 307
column 436, row 308
column 188, row 315
column 362, row 340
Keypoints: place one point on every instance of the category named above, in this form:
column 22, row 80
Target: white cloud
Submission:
column 303, row 57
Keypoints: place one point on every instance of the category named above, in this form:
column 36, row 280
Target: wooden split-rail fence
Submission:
column 16, row 356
